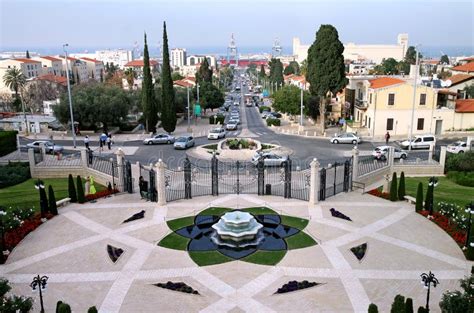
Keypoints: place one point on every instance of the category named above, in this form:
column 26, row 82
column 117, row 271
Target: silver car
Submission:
column 269, row 159
column 346, row 138
column 231, row 125
column 48, row 146
column 160, row 138
column 184, row 142
column 381, row 152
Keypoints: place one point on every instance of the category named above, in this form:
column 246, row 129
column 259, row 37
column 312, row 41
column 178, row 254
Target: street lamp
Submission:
column 427, row 280
column 432, row 183
column 69, row 95
column 470, row 211
column 39, row 185
column 414, row 99
column 2, row 230
column 39, row 282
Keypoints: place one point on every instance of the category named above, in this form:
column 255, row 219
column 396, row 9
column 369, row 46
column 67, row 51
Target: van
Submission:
column 419, row 142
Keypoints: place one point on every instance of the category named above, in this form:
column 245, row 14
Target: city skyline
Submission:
column 191, row 23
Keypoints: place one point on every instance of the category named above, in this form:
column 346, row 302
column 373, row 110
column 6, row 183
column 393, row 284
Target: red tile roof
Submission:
column 384, row 82
column 47, row 57
column 139, row 63
column 91, row 60
column 26, row 60
column 459, row 78
column 433, row 62
column 464, row 106
column 468, row 67
column 182, row 83
column 53, row 78
column 190, row 78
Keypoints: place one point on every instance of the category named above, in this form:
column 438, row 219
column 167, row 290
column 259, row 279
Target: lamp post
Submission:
column 301, row 107
column 414, row 99
column 427, row 280
column 469, row 210
column 189, row 108
column 432, row 183
column 39, row 185
column 2, row 230
column 69, row 95
column 39, row 282
column 197, row 86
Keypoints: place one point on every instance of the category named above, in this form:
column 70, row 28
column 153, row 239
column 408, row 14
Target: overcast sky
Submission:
column 119, row 23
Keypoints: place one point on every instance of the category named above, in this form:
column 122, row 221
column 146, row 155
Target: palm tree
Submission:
column 16, row 80
column 130, row 76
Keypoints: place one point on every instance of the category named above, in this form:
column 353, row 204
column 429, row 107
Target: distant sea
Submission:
column 426, row 51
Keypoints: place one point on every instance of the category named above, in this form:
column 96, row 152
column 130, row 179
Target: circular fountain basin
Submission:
column 237, row 228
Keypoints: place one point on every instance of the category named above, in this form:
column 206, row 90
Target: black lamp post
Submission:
column 39, row 282
column 427, row 280
column 469, row 210
column 39, row 185
column 432, row 183
column 2, row 230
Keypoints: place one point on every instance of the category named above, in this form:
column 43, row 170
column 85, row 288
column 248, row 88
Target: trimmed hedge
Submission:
column 7, row 142
column 393, row 188
column 13, row 174
column 462, row 162
column 273, row 121
column 461, row 178
column 264, row 108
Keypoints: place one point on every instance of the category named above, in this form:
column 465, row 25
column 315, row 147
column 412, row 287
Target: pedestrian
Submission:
column 108, row 140
column 86, row 141
column 143, row 186
column 91, row 156
column 387, row 138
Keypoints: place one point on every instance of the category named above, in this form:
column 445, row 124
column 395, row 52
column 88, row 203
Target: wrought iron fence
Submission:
column 369, row 164
column 64, row 160
column 147, row 183
column 175, row 185
column 300, row 184
column 335, row 179
column 103, row 164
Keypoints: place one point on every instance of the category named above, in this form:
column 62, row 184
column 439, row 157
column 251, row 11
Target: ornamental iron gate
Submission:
column 149, row 186
column 335, row 179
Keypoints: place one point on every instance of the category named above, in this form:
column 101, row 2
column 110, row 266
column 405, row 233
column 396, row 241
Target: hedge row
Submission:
column 14, row 173
column 462, row 162
column 264, row 108
column 7, row 142
column 273, row 121
column 217, row 119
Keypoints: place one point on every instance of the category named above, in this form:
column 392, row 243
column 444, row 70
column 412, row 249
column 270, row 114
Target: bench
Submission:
column 62, row 202
column 410, row 199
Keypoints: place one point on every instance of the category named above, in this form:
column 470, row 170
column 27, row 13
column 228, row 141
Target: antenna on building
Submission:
column 232, row 51
column 276, row 49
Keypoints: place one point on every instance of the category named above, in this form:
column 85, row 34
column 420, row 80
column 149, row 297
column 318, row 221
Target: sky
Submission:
column 255, row 23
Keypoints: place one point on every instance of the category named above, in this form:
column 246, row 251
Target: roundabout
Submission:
column 376, row 252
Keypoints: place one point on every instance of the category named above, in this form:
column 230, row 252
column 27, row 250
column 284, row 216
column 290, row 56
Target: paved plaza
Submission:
column 72, row 250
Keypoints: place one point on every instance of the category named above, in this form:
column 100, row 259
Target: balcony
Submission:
column 361, row 104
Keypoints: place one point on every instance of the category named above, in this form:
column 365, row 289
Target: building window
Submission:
column 368, row 126
column 420, row 124
column 391, row 99
column 423, row 99
column 370, row 98
column 389, row 123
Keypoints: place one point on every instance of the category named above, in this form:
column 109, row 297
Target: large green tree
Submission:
column 326, row 68
column 276, row 71
column 292, row 68
column 94, row 104
column 168, row 110
column 444, row 59
column 389, row 66
column 262, row 71
column 15, row 80
column 210, row 96
column 288, row 100
column 150, row 109
column 204, row 74
column 130, row 76
column 410, row 55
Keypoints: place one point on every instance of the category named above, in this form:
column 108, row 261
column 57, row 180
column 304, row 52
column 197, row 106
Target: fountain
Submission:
column 237, row 229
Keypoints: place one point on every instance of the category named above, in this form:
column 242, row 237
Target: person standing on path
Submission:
column 109, row 141
column 86, row 141
column 387, row 138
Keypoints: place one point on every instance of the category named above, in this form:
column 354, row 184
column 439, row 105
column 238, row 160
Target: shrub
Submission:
column 419, row 197
column 7, row 142
column 409, row 305
column 13, row 174
column 64, row 308
column 422, row 309
column 398, row 305
column 264, row 108
column 463, row 162
column 245, row 144
column 58, row 304
column 461, row 178
column 273, row 121
column 233, row 143
column 401, row 187
column 71, row 189
column 373, row 308
column 378, row 193
column 53, row 208
column 214, row 119
column 80, row 190
column 92, row 309
column 393, row 188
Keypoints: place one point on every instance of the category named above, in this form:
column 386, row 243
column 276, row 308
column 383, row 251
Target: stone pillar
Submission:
column 355, row 163
column 442, row 157
column 43, row 149
column 391, row 157
column 314, row 182
column 84, row 158
column 120, row 158
column 160, row 182
column 430, row 153
column 31, row 160
column 136, row 176
column 386, row 183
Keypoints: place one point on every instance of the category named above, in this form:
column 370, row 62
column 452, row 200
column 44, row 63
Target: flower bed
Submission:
column 100, row 194
column 379, row 193
column 237, row 144
column 448, row 226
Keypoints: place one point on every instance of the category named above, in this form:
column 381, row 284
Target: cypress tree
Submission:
column 429, row 198
column 393, row 188
column 43, row 202
column 148, row 94
column 168, row 112
column 92, row 309
column 409, row 305
column 422, row 309
column 373, row 308
column 204, row 73
column 53, row 208
column 64, row 308
column 72, row 189
column 27, row 54
column 262, row 71
column 419, row 198
column 58, row 304
column 80, row 190
column 326, row 71
column 398, row 305
column 401, row 187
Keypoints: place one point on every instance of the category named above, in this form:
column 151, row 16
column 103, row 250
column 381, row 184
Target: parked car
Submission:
column 160, row 138
column 457, row 147
column 216, row 133
column 235, row 119
column 419, row 142
column 381, row 152
column 231, row 125
column 345, row 138
column 275, row 114
column 269, row 159
column 265, row 114
column 48, row 146
column 184, row 142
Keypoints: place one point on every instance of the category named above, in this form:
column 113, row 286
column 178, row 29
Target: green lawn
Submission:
column 215, row 211
column 203, row 258
column 259, row 211
column 174, row 241
column 295, row 222
column 265, row 257
column 180, row 222
column 300, row 240
column 446, row 190
column 24, row 195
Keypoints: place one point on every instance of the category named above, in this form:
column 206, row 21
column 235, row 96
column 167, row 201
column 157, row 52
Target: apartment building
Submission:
column 95, row 68
column 78, row 71
column 50, row 65
column 178, row 58
column 29, row 67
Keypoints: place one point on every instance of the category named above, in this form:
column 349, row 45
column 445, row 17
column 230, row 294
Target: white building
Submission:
column 48, row 106
column 197, row 59
column 95, row 68
column 77, row 69
column 357, row 52
column 50, row 65
column 29, row 67
column 119, row 57
column 178, row 57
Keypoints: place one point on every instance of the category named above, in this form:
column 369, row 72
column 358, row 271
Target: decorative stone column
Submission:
column 391, row 157
column 84, row 159
column 314, row 182
column 31, row 160
column 442, row 157
column 120, row 157
column 160, row 182
column 355, row 163
column 430, row 153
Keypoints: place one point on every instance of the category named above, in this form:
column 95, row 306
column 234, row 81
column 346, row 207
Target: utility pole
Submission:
column 414, row 99
column 301, row 107
column 70, row 98
column 189, row 108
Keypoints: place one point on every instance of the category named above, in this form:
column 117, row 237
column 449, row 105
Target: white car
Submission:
column 160, row 138
column 269, row 159
column 419, row 142
column 380, row 153
column 345, row 138
column 457, row 147
column 216, row 133
column 231, row 125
